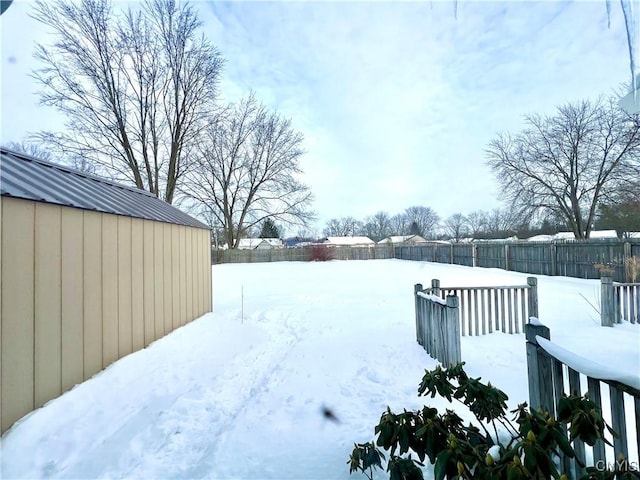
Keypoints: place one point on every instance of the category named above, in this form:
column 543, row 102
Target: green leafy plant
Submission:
column 528, row 446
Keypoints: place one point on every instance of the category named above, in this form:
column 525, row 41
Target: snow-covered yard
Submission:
column 238, row 393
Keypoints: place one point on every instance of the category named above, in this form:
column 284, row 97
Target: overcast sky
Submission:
column 396, row 100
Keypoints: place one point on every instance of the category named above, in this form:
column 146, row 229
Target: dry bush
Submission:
column 632, row 267
column 605, row 269
column 320, row 253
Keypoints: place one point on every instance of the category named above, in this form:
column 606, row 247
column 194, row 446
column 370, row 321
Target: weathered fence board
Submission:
column 501, row 308
column 572, row 258
column 490, row 255
column 618, row 302
column 462, row 254
column 301, row 254
column 437, row 326
column 545, row 390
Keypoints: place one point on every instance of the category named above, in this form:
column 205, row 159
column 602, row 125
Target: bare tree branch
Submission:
column 565, row 165
column 246, row 170
column 136, row 87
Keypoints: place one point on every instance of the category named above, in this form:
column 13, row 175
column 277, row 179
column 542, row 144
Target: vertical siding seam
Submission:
column 131, row 280
column 60, row 306
column 102, row 285
column 117, row 290
column 33, row 266
column 144, row 296
column 84, row 342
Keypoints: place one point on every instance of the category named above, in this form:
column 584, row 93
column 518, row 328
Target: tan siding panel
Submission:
column 197, row 273
column 125, row 336
column 109, row 289
column 72, row 298
column 168, row 279
column 148, row 283
column 48, row 303
column 190, row 273
column 17, row 309
column 137, row 286
column 158, row 277
column 1, row 228
column 202, row 270
column 92, row 293
column 183, row 274
column 209, row 279
column 175, row 270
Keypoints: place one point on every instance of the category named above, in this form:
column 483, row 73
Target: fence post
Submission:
column 607, row 302
column 539, row 368
column 532, row 297
column 452, row 331
column 418, row 288
column 626, row 262
column 435, row 287
column 475, row 254
column 553, row 258
column 506, row 257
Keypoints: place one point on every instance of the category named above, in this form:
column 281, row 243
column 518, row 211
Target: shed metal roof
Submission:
column 26, row 177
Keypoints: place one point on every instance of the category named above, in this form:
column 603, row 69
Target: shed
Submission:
column 91, row 271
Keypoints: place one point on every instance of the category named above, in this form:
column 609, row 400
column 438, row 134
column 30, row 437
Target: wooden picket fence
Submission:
column 444, row 314
column 618, row 302
column 484, row 310
column 547, row 364
column 437, row 326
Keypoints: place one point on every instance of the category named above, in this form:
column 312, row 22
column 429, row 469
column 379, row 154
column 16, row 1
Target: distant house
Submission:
column 348, row 242
column 403, row 240
column 259, row 243
column 595, row 234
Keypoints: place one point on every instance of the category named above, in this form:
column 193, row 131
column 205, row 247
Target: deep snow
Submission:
column 238, row 393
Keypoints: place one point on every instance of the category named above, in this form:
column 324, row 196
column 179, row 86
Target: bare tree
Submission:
column 424, row 220
column 135, row 87
column 30, row 148
column 50, row 153
column 343, row 227
column 247, row 169
column 567, row 163
column 377, row 226
column 455, row 227
column 477, row 223
column 399, row 224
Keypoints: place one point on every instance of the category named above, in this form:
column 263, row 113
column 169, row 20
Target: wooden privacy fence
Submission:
column 579, row 259
column 547, row 364
column 487, row 309
column 437, row 326
column 618, row 302
column 301, row 254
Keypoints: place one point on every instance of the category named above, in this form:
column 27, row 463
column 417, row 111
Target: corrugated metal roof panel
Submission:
column 22, row 176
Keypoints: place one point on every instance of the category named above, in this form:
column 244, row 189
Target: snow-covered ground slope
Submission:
column 238, row 393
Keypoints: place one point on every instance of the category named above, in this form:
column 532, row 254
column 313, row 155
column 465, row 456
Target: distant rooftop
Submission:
column 349, row 241
column 28, row 178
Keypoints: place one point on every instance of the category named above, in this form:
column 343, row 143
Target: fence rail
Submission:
column 437, row 326
column 487, row 309
column 547, row 364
